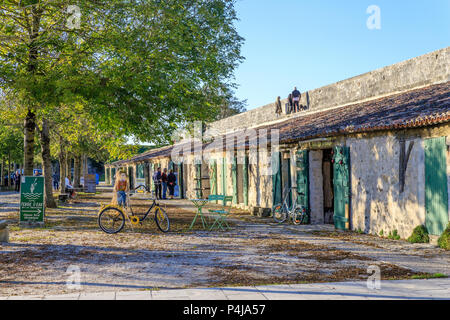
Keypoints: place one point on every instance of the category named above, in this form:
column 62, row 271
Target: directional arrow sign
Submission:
column 32, row 200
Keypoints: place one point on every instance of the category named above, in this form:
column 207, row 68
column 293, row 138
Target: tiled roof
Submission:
column 416, row 108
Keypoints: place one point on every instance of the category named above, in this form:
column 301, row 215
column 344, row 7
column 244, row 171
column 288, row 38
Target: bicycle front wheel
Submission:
column 162, row 220
column 279, row 215
column 111, row 220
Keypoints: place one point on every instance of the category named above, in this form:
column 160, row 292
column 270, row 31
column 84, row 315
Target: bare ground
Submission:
column 254, row 252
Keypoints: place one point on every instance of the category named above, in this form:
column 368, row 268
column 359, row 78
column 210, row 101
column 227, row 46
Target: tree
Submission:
column 140, row 66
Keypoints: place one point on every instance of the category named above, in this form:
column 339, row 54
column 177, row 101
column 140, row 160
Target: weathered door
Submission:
column 234, row 180
column 245, row 180
column 436, row 189
column 276, row 180
column 289, row 181
column 302, row 164
column 341, row 185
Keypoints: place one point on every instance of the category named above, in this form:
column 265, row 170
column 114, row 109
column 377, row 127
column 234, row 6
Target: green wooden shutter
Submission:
column 245, row 181
column 436, row 188
column 181, row 180
column 213, row 176
column 302, row 164
column 341, row 184
column 276, row 181
column 234, row 180
column 224, row 176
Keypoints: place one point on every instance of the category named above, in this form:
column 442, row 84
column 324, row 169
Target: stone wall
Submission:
column 376, row 201
column 425, row 70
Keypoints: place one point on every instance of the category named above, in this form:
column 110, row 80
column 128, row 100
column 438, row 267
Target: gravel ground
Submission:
column 254, row 252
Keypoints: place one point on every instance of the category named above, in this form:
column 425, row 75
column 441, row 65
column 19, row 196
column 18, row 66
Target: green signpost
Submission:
column 32, row 200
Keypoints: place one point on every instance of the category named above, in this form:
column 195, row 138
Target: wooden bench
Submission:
column 220, row 215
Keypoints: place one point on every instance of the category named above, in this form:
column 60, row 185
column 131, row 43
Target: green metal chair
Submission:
column 221, row 214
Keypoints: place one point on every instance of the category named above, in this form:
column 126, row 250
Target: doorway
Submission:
column 328, row 193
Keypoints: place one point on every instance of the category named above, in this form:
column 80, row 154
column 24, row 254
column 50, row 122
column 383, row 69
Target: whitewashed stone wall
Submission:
column 377, row 203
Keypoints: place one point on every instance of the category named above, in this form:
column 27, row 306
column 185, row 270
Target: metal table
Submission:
column 199, row 204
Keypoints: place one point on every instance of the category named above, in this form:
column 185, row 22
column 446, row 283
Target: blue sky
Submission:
column 312, row 43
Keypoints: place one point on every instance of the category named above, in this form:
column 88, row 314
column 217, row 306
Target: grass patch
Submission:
column 429, row 276
column 419, row 235
column 393, row 235
column 444, row 239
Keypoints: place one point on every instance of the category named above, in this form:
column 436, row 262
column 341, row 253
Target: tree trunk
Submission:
column 29, row 128
column 76, row 171
column 47, row 165
column 9, row 171
column 68, row 167
column 62, row 166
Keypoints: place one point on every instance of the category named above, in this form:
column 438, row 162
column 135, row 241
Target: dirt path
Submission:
column 254, row 252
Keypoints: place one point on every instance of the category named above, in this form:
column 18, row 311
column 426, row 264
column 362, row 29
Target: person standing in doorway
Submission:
column 171, row 183
column 296, row 95
column 164, row 184
column 157, row 181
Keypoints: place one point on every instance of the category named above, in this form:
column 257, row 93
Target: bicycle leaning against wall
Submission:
column 111, row 219
column 297, row 213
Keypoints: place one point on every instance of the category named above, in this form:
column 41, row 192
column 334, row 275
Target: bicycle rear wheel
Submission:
column 162, row 219
column 279, row 215
column 111, row 220
column 299, row 216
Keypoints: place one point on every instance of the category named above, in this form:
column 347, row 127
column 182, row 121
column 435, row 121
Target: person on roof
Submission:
column 278, row 110
column 296, row 95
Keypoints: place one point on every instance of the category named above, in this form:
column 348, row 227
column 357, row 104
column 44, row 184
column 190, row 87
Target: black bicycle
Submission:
column 111, row 219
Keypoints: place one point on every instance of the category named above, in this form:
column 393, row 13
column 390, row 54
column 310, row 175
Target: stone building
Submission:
column 368, row 153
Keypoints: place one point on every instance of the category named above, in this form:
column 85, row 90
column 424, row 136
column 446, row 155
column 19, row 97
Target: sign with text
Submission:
column 32, row 200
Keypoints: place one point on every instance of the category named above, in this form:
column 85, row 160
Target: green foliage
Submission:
column 419, row 235
column 444, row 239
column 138, row 67
column 11, row 142
column 430, row 276
column 393, row 235
column 381, row 233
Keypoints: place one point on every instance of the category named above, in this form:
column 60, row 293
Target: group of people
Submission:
column 15, row 179
column 293, row 100
column 164, row 181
